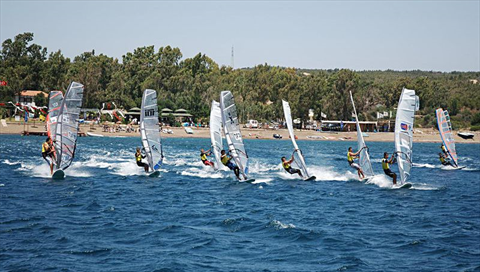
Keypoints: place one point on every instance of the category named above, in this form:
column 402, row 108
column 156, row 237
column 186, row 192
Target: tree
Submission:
column 40, row 100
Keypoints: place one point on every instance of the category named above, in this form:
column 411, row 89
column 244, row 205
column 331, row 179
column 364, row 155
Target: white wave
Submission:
column 384, row 181
column 127, row 169
column 381, row 181
column 425, row 165
column 42, row 170
column 175, row 162
column 279, row 225
column 424, row 187
column 77, row 169
column 262, row 180
column 202, row 173
column 257, row 167
column 328, row 174
column 11, row 163
column 470, row 169
column 284, row 175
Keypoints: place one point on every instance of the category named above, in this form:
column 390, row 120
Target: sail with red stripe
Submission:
column 55, row 99
column 445, row 129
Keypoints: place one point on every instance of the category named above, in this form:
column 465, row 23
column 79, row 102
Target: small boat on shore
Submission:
column 91, row 134
column 466, row 135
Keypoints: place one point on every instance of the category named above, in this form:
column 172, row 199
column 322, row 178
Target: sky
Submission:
column 359, row 35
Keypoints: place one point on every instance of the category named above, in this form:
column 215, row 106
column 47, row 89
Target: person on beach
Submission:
column 386, row 167
column 227, row 161
column 138, row 157
column 444, row 160
column 203, row 157
column 351, row 157
column 48, row 153
column 287, row 166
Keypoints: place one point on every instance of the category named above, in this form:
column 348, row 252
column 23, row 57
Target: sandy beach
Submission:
column 420, row 135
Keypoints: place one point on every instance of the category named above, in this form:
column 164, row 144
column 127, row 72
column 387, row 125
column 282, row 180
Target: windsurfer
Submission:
column 287, row 166
column 226, row 160
column 386, row 167
column 444, row 160
column 203, row 157
column 48, row 153
column 351, row 156
column 138, row 157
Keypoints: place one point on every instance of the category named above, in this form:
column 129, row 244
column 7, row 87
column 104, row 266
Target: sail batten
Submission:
column 149, row 130
column 407, row 105
column 299, row 160
column 232, row 132
column 364, row 157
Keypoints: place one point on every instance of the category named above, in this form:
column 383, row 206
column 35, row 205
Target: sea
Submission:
column 107, row 215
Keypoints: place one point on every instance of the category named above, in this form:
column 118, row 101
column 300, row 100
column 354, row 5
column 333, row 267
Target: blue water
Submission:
column 107, row 216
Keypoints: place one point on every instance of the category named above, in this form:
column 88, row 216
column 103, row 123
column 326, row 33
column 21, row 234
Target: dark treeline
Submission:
column 192, row 83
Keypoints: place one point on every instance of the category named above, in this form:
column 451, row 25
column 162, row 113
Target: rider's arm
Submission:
column 358, row 152
column 391, row 160
column 291, row 160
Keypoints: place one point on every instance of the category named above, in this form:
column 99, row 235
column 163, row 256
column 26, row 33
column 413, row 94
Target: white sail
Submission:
column 66, row 130
column 216, row 133
column 445, row 128
column 150, row 130
column 363, row 156
column 407, row 106
column 55, row 99
column 299, row 161
column 232, row 132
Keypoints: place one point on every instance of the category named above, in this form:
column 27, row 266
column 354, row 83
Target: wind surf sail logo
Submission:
column 404, row 126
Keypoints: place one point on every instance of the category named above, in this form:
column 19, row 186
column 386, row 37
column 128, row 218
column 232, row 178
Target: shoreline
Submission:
column 427, row 135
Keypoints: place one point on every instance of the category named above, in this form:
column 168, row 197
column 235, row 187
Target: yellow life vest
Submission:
column 203, row 156
column 138, row 157
column 442, row 159
column 385, row 164
column 444, row 149
column 350, row 158
column 286, row 165
column 225, row 159
column 45, row 147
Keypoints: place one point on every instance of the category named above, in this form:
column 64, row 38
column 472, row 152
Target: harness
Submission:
column 442, row 160
column 350, row 158
column 45, row 147
column 225, row 159
column 385, row 164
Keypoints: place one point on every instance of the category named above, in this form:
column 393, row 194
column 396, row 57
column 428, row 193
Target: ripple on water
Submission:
column 106, row 216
